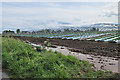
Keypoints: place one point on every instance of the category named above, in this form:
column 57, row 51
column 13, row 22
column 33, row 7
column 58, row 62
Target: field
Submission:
column 20, row 60
column 83, row 46
column 89, row 35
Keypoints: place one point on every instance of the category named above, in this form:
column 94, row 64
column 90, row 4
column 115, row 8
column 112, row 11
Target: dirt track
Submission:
column 100, row 62
column 83, row 46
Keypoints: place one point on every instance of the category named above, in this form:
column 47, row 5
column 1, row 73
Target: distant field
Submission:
column 95, row 35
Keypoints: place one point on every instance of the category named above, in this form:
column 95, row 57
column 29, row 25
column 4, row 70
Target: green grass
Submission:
column 20, row 60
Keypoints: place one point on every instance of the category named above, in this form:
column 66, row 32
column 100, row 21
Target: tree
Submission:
column 66, row 30
column 8, row 32
column 77, row 30
column 48, row 31
column 18, row 31
column 94, row 29
column 58, row 31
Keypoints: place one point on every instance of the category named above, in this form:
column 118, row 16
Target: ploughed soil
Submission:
column 109, row 49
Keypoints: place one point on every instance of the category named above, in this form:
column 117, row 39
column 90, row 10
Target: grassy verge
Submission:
column 20, row 60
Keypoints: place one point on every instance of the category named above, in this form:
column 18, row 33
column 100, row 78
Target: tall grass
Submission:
column 21, row 61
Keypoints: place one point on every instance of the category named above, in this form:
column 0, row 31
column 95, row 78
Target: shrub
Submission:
column 47, row 43
column 40, row 48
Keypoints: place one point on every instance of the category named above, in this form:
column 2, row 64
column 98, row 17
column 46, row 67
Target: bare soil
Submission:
column 108, row 49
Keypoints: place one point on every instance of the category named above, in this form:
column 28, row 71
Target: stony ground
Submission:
column 3, row 75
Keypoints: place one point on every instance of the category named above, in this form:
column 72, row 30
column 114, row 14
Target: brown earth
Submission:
column 109, row 49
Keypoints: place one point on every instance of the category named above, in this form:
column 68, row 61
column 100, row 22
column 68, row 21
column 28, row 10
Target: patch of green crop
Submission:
column 20, row 60
column 109, row 36
column 117, row 38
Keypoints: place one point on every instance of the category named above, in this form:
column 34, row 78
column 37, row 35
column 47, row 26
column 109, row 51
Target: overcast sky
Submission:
column 39, row 15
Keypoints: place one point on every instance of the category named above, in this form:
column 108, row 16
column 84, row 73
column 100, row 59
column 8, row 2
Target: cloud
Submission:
column 32, row 16
column 111, row 10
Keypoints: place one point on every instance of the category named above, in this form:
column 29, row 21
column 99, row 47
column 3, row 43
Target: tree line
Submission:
column 18, row 31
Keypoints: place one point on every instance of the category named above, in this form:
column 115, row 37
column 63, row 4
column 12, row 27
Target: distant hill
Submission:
column 100, row 26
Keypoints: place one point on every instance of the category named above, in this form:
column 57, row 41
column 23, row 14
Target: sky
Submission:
column 59, row 0
column 40, row 15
